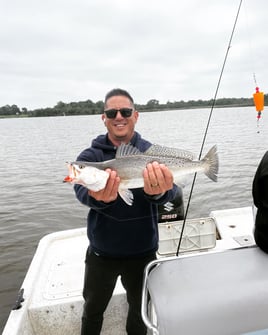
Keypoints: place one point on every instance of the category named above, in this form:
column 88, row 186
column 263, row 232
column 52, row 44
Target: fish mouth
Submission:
column 67, row 179
column 72, row 174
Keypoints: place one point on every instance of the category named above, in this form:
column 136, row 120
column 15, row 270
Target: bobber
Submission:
column 258, row 98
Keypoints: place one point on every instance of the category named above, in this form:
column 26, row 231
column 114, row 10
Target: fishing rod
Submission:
column 208, row 123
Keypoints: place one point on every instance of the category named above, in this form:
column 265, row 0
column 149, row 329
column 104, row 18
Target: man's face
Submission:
column 121, row 127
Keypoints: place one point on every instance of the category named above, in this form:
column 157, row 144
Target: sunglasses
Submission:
column 125, row 112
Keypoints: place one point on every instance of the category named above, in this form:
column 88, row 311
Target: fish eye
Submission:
column 81, row 166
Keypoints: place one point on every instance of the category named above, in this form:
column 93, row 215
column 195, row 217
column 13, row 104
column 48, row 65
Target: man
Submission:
column 260, row 197
column 123, row 238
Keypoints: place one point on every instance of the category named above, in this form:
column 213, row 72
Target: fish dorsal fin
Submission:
column 158, row 150
column 126, row 150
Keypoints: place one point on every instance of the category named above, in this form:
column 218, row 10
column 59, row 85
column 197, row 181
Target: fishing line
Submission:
column 258, row 97
column 253, row 61
column 208, row 123
column 249, row 36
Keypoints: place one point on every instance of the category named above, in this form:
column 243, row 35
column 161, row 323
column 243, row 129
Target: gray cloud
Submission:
column 173, row 50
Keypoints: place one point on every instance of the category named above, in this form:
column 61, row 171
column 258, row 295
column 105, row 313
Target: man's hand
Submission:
column 110, row 192
column 158, row 179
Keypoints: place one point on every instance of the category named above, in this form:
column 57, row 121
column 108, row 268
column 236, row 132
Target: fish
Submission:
column 129, row 163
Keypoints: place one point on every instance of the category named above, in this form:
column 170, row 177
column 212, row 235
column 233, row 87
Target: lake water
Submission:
column 33, row 152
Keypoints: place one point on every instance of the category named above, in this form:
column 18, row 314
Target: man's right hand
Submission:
column 110, row 192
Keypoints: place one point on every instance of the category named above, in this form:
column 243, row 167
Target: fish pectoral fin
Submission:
column 126, row 195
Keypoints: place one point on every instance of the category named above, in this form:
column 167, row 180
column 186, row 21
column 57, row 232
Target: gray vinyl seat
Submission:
column 223, row 293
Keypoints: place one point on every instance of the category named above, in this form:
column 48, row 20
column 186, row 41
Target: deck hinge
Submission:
column 244, row 240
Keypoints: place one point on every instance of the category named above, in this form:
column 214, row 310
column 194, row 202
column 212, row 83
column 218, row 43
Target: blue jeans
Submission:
column 101, row 274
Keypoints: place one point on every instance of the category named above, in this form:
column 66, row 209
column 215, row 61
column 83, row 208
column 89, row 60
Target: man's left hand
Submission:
column 158, row 179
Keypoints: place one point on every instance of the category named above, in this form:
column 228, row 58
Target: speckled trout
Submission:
column 129, row 164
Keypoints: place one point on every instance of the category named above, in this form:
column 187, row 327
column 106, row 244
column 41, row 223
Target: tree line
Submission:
column 89, row 107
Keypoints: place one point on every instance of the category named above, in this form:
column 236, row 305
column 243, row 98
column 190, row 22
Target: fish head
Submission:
column 92, row 178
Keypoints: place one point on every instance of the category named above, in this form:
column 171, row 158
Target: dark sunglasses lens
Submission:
column 125, row 112
column 111, row 113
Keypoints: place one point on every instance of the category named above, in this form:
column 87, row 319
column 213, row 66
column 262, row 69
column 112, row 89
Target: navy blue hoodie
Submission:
column 116, row 229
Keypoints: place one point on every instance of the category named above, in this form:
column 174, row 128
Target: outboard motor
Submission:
column 172, row 210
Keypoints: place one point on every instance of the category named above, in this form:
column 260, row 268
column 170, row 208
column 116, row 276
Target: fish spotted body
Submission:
column 129, row 164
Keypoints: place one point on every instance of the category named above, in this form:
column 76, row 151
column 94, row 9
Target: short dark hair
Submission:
column 118, row 91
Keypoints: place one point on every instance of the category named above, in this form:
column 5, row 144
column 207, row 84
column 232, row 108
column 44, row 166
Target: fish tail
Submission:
column 212, row 164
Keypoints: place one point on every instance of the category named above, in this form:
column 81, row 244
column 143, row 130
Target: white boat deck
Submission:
column 235, row 227
column 53, row 286
column 53, row 290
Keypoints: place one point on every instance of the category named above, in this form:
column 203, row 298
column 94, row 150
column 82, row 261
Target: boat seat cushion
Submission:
column 217, row 293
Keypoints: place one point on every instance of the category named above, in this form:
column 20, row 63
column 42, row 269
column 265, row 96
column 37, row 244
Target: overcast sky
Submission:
column 169, row 50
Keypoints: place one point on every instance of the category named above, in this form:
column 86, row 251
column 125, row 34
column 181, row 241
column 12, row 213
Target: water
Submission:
column 33, row 152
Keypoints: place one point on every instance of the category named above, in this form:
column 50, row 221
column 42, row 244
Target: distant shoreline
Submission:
column 90, row 108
